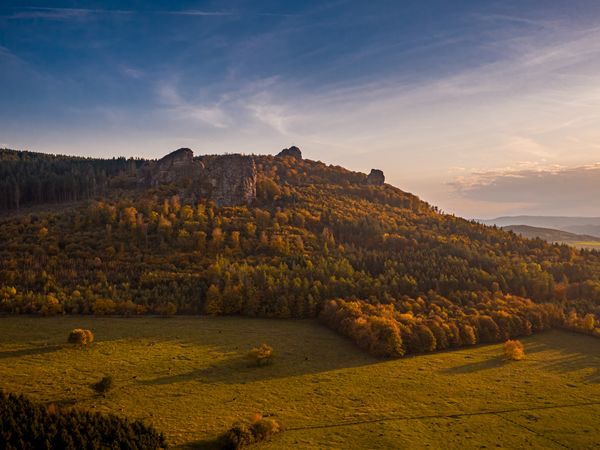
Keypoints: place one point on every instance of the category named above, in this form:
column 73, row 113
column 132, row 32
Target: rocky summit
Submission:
column 173, row 167
column 293, row 152
column 376, row 177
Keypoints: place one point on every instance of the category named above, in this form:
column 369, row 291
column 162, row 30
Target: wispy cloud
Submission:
column 62, row 13
column 55, row 13
column 197, row 12
column 208, row 113
column 50, row 13
column 132, row 72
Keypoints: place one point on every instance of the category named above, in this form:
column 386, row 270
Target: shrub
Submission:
column 80, row 336
column 103, row 385
column 246, row 433
column 514, row 350
column 261, row 355
column 238, row 436
column 263, row 428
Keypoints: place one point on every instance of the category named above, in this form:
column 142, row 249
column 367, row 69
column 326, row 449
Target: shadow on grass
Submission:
column 30, row 351
column 207, row 444
column 492, row 363
column 239, row 370
column 576, row 352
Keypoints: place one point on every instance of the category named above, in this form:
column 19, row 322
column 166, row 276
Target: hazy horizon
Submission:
column 482, row 109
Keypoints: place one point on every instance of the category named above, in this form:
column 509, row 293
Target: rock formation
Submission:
column 293, row 152
column 232, row 179
column 175, row 166
column 228, row 180
column 376, row 177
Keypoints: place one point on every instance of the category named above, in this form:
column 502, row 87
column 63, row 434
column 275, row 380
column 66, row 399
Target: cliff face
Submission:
column 226, row 179
column 232, row 179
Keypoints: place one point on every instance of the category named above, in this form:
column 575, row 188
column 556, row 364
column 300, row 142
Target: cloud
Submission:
column 196, row 12
column 79, row 14
column 132, row 72
column 30, row 13
column 548, row 189
column 209, row 113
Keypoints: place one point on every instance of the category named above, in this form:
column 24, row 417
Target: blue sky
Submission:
column 480, row 107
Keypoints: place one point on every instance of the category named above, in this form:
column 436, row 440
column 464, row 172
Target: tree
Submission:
column 214, row 301
column 261, row 355
column 80, row 336
column 514, row 350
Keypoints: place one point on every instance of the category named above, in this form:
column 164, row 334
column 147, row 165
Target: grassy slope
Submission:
column 191, row 382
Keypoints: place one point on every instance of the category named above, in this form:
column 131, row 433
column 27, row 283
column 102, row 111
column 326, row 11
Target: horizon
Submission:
column 483, row 110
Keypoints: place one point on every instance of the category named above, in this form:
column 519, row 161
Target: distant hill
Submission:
column 551, row 235
column 578, row 225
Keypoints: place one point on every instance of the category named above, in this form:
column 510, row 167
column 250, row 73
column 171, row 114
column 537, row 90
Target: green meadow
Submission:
column 188, row 377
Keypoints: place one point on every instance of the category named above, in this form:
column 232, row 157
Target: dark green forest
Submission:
column 26, row 425
column 373, row 262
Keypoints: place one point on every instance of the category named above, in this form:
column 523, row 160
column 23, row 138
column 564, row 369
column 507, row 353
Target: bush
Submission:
column 261, row 355
column 263, row 428
column 103, row 385
column 514, row 350
column 80, row 336
column 238, row 436
column 243, row 434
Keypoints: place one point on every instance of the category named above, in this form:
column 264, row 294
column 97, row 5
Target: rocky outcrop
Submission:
column 376, row 177
column 293, row 152
column 175, row 166
column 231, row 179
column 228, row 180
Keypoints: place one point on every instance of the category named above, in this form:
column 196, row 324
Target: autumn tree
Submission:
column 514, row 350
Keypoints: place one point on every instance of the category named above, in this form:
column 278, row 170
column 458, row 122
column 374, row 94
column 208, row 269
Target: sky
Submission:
column 483, row 108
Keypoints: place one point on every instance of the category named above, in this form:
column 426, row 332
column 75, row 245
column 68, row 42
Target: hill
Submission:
column 559, row 236
column 279, row 237
column 577, row 225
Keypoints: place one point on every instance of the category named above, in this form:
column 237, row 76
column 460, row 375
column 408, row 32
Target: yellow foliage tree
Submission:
column 514, row 350
column 261, row 355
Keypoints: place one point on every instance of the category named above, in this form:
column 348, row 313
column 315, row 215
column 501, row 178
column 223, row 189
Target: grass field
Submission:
column 187, row 377
column 590, row 245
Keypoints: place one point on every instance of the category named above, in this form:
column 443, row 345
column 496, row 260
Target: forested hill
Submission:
column 28, row 178
column 281, row 236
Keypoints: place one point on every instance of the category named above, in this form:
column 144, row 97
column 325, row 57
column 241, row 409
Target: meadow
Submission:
column 188, row 377
column 589, row 245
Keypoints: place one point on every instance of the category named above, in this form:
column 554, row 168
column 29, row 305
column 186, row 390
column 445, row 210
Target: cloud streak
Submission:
column 50, row 13
column 32, row 13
